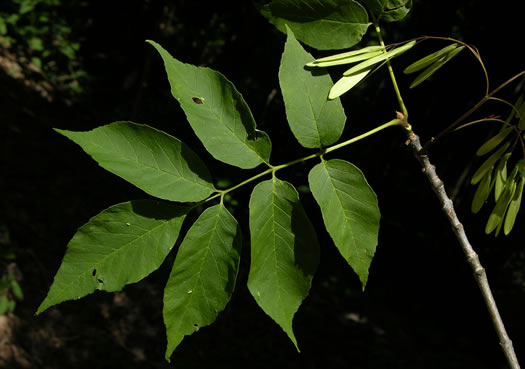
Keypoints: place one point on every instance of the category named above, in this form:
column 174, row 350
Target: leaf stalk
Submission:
column 399, row 121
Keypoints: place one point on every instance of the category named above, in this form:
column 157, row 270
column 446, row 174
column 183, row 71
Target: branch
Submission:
column 472, row 257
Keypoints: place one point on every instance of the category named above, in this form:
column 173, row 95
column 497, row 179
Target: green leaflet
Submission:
column 119, row 246
column 322, row 24
column 203, row 276
column 314, row 120
column 488, row 164
column 152, row 160
column 217, row 112
column 482, row 192
column 350, row 211
column 284, row 254
column 388, row 10
column 377, row 59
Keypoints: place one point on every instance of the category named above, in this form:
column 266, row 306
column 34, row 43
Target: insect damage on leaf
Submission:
column 198, row 100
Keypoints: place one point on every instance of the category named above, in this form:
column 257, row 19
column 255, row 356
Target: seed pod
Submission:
column 435, row 66
column 488, row 164
column 429, row 59
column 500, row 175
column 346, row 60
column 348, row 54
column 375, row 60
column 494, row 141
column 345, row 83
column 514, row 207
column 496, row 217
column 482, row 192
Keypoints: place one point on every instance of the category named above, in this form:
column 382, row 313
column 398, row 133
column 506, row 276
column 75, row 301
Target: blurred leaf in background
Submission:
column 41, row 37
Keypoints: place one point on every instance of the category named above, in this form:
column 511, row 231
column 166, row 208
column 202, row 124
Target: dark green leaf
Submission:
column 203, row 276
column 388, row 10
column 322, row 24
column 152, row 160
column 4, row 303
column 350, row 211
column 284, row 254
column 119, row 246
column 3, row 32
column 217, row 112
column 314, row 120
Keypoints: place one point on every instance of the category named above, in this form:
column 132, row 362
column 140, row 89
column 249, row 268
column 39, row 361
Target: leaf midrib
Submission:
column 125, row 159
column 116, row 251
column 353, row 246
column 198, row 277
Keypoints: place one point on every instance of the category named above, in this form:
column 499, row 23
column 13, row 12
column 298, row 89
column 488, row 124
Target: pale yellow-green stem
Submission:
column 392, row 76
column 273, row 169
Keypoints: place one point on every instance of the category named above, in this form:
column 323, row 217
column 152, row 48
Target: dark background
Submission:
column 421, row 308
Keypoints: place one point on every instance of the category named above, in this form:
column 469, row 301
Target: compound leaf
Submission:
column 284, row 254
column 119, row 246
column 217, row 112
column 152, row 160
column 314, row 120
column 322, row 24
column 350, row 211
column 203, row 276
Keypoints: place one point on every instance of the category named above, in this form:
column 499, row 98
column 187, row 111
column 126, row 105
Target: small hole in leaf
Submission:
column 100, row 280
column 94, row 272
column 198, row 100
